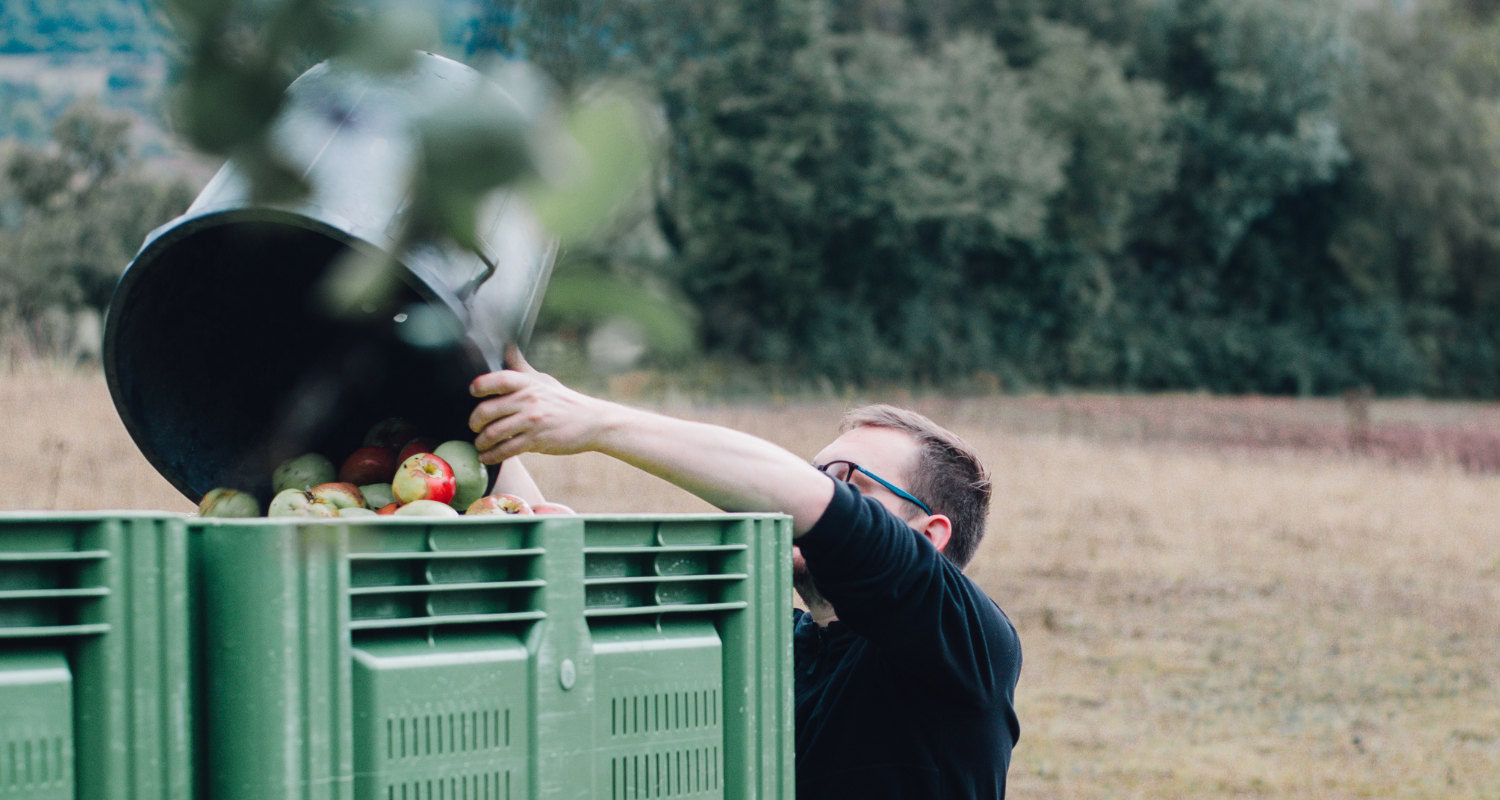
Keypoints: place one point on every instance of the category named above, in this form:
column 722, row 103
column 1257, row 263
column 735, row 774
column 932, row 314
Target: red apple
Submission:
column 499, row 504
column 424, row 476
column 421, row 444
column 338, row 495
column 551, row 508
column 369, row 465
column 388, row 509
column 392, row 433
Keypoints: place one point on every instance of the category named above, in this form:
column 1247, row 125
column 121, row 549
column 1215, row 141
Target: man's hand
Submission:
column 532, row 412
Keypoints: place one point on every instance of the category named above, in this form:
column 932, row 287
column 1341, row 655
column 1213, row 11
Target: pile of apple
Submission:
column 397, row 472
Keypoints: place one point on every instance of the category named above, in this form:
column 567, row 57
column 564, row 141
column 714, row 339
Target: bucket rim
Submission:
column 186, row 226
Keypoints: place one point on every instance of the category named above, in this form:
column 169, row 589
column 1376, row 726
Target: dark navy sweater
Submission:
column 911, row 692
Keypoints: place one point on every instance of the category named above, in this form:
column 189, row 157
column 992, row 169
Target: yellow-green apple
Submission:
column 388, row 509
column 297, row 503
column 421, row 444
column 499, row 504
column 228, row 503
column 355, row 511
column 302, row 472
column 369, row 465
column 425, row 508
column 423, row 476
column 338, row 495
column 468, row 474
column 392, row 433
column 551, row 508
column 377, row 494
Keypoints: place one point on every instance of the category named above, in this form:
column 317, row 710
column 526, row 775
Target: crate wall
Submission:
column 96, row 670
column 500, row 658
column 152, row 657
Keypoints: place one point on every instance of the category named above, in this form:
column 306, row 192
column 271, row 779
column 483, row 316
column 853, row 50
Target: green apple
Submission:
column 303, row 472
column 467, row 471
column 377, row 495
column 425, row 508
column 355, row 511
column 297, row 503
column 228, row 503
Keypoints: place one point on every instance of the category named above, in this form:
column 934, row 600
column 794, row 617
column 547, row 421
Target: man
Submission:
column 906, row 671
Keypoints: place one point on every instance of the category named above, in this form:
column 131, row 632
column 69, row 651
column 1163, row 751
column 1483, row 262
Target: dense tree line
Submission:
column 1243, row 195
column 72, row 215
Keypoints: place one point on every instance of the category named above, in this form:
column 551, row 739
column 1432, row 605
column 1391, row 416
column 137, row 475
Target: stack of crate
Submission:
column 152, row 657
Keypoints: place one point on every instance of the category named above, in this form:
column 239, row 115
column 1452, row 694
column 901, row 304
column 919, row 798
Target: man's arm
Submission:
column 515, row 479
column 891, row 586
column 527, row 411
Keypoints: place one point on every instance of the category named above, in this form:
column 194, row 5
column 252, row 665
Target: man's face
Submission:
column 891, row 454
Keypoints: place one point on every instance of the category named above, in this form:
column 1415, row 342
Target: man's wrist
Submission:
column 611, row 425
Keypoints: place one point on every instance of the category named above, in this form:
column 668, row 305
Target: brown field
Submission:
column 1202, row 616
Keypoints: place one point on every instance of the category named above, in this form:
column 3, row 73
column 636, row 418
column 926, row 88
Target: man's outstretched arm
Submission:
column 527, row 411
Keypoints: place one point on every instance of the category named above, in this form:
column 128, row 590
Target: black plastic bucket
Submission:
column 219, row 354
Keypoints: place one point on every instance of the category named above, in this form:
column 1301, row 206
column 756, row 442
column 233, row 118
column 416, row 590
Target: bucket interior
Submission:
column 222, row 364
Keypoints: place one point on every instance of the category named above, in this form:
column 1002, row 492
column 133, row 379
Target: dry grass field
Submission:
column 1197, row 621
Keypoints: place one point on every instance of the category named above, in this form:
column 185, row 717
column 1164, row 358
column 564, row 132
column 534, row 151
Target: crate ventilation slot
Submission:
column 34, row 764
column 645, row 580
column 482, row 786
column 664, row 711
column 446, row 734
column 423, row 589
column 42, row 593
column 680, row 773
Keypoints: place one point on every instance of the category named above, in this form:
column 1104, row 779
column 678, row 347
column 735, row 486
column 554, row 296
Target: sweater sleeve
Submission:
column 892, row 587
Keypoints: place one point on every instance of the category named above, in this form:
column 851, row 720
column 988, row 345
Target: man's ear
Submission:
column 938, row 529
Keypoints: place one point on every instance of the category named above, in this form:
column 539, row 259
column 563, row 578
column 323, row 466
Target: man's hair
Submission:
column 948, row 476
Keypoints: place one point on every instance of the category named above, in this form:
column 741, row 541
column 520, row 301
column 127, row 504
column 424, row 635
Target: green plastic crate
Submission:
column 96, row 668
column 153, row 657
column 551, row 656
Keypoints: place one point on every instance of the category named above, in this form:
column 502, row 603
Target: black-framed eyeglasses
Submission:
column 844, row 470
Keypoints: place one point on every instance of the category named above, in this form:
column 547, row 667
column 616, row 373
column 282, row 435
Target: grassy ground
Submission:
column 1196, row 621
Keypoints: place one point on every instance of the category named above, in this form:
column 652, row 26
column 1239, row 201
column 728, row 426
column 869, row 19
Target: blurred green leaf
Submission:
column 361, row 283
column 387, row 41
column 607, row 169
column 587, row 298
column 225, row 107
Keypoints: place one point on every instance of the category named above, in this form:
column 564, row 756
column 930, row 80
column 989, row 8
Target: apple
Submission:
column 421, row 444
column 377, row 494
column 302, row 472
column 469, row 475
column 423, row 476
column 228, row 503
column 391, row 433
column 425, row 508
column 369, row 465
column 551, row 508
column 388, row 509
column 499, row 504
column 356, row 511
column 338, row 495
column 297, row 503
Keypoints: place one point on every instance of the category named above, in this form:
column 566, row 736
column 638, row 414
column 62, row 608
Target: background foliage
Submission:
column 1286, row 196
column 1283, row 196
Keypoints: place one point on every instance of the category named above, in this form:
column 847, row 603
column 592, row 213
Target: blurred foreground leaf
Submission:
column 612, row 157
column 590, row 297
